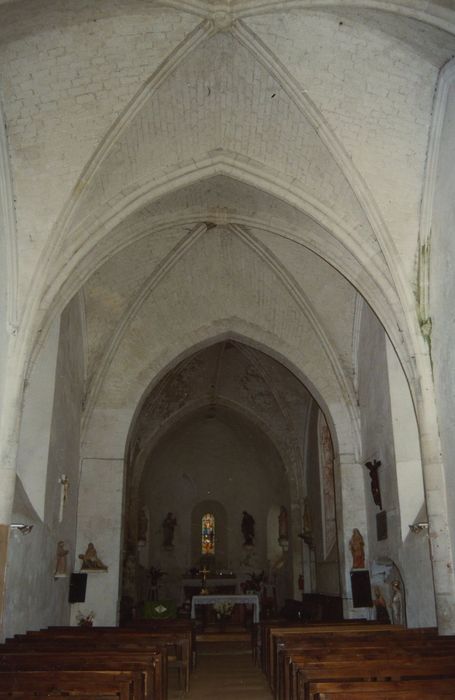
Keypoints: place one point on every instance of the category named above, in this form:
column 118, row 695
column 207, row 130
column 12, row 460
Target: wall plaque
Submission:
column 381, row 525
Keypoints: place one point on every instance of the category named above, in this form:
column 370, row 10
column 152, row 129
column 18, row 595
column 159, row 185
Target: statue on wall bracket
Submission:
column 91, row 563
column 248, row 524
column 60, row 561
column 357, row 547
column 374, row 476
column 283, row 529
column 168, row 525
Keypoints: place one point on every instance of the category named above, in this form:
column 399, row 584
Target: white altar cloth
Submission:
column 234, row 599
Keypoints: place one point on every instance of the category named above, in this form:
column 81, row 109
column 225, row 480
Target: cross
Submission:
column 64, row 486
column 374, row 476
column 204, row 573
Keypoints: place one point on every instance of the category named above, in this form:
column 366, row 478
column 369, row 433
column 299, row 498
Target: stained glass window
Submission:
column 208, row 534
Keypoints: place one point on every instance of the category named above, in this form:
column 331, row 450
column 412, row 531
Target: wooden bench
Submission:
column 144, row 663
column 337, row 629
column 124, row 685
column 302, row 655
column 83, row 652
column 178, row 639
column 368, row 647
column 176, row 646
column 435, row 689
column 369, row 670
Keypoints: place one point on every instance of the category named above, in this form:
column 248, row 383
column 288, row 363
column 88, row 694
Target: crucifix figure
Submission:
column 204, row 589
column 374, row 476
column 64, row 486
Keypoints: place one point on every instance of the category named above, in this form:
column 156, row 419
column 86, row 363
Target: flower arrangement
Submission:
column 223, row 610
column 254, row 585
column 85, row 620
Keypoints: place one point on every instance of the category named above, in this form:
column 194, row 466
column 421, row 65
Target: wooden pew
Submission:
column 111, row 638
column 124, row 685
column 84, row 651
column 356, row 646
column 436, row 689
column 369, row 670
column 345, row 629
column 178, row 639
column 146, row 664
column 364, row 642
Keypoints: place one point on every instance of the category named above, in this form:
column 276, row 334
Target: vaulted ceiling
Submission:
column 252, row 163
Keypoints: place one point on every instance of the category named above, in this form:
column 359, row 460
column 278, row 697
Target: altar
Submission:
column 214, row 584
column 247, row 599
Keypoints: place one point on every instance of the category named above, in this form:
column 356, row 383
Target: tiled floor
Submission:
column 224, row 672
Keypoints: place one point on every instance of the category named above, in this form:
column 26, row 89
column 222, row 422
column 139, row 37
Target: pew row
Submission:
column 297, row 659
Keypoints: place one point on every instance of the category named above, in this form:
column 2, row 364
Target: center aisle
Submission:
column 224, row 672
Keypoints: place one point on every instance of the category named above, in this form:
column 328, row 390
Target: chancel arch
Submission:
column 224, row 456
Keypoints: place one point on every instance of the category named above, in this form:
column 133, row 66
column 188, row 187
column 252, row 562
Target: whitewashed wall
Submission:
column 100, row 521
column 411, row 556
column 442, row 294
column 34, row 598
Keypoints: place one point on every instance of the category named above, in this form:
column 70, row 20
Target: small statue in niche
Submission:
column 90, row 560
column 169, row 523
column 283, row 525
column 357, row 547
column 248, row 524
column 374, row 476
column 60, row 563
column 397, row 604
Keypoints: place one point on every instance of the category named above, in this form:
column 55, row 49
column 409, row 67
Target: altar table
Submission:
column 234, row 599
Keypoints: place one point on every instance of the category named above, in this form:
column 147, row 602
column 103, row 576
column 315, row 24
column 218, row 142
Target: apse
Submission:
column 228, row 436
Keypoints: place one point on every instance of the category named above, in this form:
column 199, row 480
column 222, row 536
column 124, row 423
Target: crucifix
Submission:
column 64, row 486
column 374, row 476
column 204, row 589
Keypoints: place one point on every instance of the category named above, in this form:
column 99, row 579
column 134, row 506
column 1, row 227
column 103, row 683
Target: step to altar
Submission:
column 231, row 633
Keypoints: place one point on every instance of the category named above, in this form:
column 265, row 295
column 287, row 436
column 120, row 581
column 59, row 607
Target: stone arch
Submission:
column 287, row 454
column 336, row 414
column 433, row 13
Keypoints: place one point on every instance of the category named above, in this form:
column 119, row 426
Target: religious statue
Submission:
column 248, row 524
column 382, row 614
column 64, row 487
column 397, row 604
column 129, row 576
column 307, row 532
column 142, row 526
column 374, row 476
column 169, row 523
column 90, row 560
column 283, row 524
column 357, row 545
column 60, row 564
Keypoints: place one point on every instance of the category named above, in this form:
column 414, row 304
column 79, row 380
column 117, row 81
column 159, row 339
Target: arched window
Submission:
column 208, row 534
